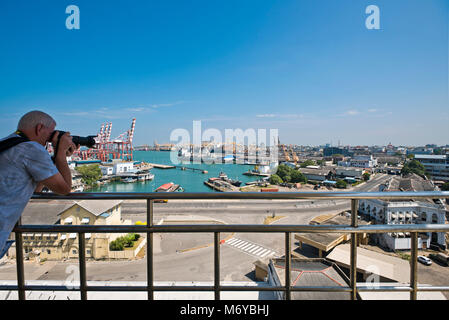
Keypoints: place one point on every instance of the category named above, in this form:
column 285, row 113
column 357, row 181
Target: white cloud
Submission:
column 271, row 115
column 278, row 115
column 352, row 112
column 162, row 105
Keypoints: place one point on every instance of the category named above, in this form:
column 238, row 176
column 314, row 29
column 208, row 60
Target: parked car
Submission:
column 424, row 260
column 440, row 257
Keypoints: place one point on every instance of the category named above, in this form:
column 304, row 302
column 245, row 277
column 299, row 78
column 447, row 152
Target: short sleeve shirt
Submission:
column 22, row 167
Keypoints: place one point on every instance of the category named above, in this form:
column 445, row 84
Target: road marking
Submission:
column 249, row 247
column 258, row 251
column 234, row 243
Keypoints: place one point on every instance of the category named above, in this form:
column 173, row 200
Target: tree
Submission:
column 445, row 186
column 307, row 163
column 297, row 176
column 414, row 166
column 366, row 176
column 283, row 170
column 275, row 179
column 90, row 173
column 341, row 184
column 287, row 174
column 121, row 242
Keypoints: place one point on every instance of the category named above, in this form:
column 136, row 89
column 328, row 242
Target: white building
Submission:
column 123, row 167
column 355, row 173
column 106, row 170
column 436, row 165
column 361, row 161
column 406, row 212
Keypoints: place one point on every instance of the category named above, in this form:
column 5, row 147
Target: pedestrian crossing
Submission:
column 250, row 248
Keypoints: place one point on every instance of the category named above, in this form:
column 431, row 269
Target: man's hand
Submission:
column 73, row 147
column 65, row 144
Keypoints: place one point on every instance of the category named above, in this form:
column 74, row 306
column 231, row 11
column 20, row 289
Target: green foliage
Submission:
column 414, row 166
column 288, row 174
column 297, row 176
column 366, row 176
column 341, row 184
column 275, row 179
column 445, row 186
column 90, row 174
column 410, row 156
column 308, row 163
column 123, row 242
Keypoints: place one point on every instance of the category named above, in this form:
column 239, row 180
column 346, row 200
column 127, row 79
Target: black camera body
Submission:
column 88, row 141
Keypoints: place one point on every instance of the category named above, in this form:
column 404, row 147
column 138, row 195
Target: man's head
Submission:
column 37, row 126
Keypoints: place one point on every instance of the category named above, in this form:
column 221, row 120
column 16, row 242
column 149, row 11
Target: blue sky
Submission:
column 310, row 69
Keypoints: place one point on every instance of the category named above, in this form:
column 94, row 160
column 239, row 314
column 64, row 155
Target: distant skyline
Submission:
column 310, row 69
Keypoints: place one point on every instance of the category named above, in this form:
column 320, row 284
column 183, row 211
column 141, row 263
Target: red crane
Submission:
column 107, row 149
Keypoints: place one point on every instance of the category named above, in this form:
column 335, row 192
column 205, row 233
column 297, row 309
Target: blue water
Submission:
column 191, row 181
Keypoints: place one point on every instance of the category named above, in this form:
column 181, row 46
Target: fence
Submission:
column 216, row 229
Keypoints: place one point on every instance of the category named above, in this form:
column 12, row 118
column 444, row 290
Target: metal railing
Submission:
column 354, row 229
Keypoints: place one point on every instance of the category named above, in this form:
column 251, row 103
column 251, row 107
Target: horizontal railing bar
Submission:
column 224, row 288
column 245, row 195
column 235, row 228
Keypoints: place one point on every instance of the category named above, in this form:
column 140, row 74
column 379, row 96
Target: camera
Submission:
column 88, row 141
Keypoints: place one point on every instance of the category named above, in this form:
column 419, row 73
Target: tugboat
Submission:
column 223, row 176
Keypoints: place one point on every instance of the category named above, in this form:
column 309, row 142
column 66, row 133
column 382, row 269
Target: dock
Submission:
column 193, row 169
column 161, row 166
column 165, row 166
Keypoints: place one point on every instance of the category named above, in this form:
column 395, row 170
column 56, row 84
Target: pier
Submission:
column 165, row 166
column 193, row 169
column 161, row 166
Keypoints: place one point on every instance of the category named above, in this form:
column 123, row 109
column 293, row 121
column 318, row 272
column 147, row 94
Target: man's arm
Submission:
column 61, row 182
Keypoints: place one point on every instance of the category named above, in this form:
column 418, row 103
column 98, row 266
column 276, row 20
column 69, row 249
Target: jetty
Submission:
column 165, row 166
column 161, row 166
column 219, row 185
column 193, row 169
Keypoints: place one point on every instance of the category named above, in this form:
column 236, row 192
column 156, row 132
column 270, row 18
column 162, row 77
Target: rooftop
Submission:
column 313, row 273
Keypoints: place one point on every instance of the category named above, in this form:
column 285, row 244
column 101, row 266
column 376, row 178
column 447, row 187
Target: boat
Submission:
column 169, row 187
column 257, row 172
column 129, row 180
column 228, row 158
column 218, row 184
column 223, row 176
column 145, row 176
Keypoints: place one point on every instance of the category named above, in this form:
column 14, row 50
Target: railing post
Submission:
column 19, row 260
column 150, row 271
column 414, row 266
column 217, row 265
column 82, row 263
column 287, row 266
column 353, row 271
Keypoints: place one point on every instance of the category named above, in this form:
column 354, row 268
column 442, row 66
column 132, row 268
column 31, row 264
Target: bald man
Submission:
column 27, row 167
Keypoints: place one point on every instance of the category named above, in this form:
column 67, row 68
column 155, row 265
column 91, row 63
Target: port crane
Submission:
column 107, row 149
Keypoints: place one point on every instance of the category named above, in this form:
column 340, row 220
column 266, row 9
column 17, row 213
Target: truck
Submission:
column 440, row 257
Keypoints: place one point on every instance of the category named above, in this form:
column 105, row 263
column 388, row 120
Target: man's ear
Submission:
column 38, row 128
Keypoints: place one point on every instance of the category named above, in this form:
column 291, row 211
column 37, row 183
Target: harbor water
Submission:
column 189, row 180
